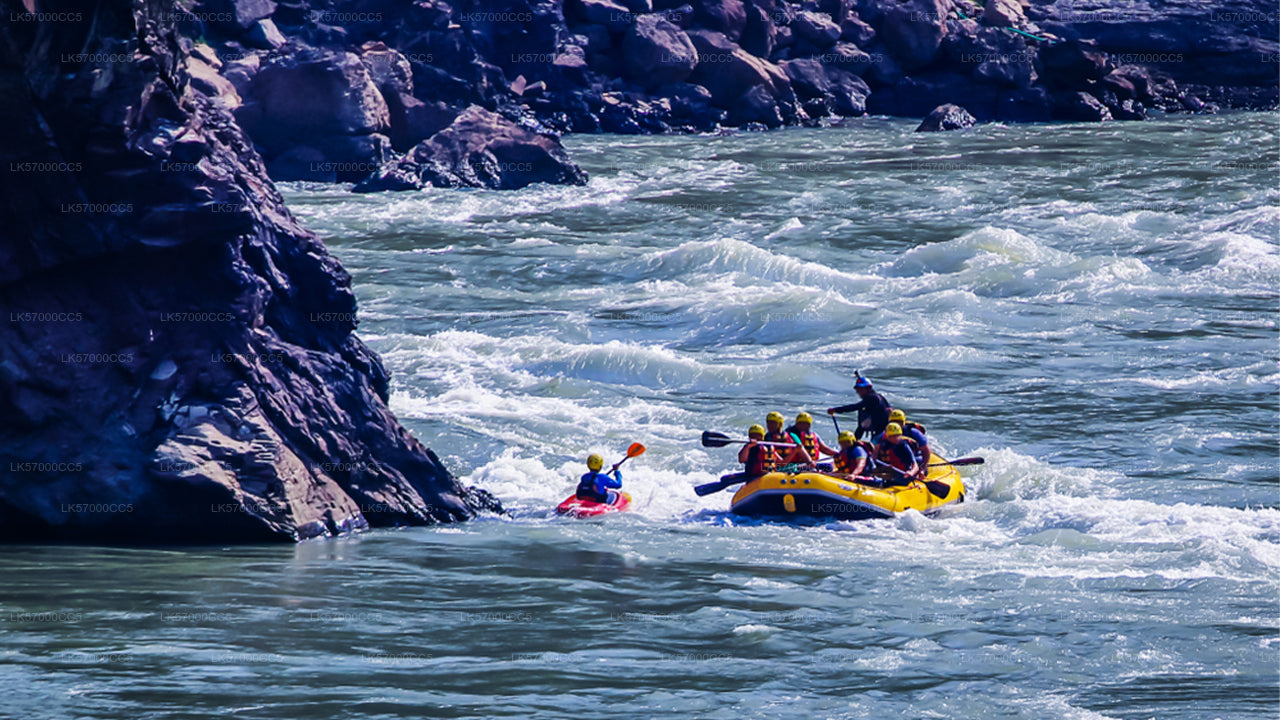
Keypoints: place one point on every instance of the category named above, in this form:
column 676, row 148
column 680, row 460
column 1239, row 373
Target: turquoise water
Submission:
column 1093, row 309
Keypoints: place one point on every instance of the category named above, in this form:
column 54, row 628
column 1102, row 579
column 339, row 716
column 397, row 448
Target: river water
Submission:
column 1091, row 308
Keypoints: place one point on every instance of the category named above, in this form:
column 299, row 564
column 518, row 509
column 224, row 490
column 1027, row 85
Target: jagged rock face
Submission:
column 619, row 66
column 479, row 149
column 178, row 360
column 1216, row 43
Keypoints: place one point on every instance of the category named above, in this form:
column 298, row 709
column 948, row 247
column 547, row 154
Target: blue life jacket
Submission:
column 595, row 485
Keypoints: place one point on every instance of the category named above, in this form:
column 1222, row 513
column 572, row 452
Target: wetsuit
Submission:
column 595, row 485
column 873, row 414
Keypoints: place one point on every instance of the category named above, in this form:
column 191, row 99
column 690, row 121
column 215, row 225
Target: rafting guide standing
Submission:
column 873, row 409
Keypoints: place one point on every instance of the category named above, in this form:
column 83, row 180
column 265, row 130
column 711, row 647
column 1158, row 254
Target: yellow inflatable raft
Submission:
column 814, row 494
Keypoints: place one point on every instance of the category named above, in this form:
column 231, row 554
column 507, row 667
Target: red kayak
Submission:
column 573, row 507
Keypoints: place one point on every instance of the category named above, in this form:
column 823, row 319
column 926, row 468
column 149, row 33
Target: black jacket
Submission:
column 873, row 414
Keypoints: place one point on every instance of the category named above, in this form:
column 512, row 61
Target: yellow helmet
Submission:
column 897, row 416
column 847, row 437
column 804, row 417
column 594, row 462
column 774, row 417
column 893, row 430
column 754, row 431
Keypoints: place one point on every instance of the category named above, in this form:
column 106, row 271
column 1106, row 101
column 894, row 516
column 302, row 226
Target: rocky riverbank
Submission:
column 340, row 89
column 178, row 361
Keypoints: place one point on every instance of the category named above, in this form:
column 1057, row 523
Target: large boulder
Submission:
column 1073, row 64
column 241, row 14
column 389, row 69
column 760, row 36
column 913, row 31
column 848, row 92
column 728, row 71
column 848, row 57
column 414, row 120
column 1079, row 107
column 323, row 100
column 855, row 30
column 817, row 29
column 724, row 16
column 992, row 55
column 313, row 93
column 178, row 357
column 946, row 117
column 606, row 13
column 826, row 90
column 1004, row 13
column 479, row 149
column 656, row 52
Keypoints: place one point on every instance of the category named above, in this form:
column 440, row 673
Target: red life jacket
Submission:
column 889, row 454
column 845, row 459
column 809, row 441
column 760, row 460
column 775, row 454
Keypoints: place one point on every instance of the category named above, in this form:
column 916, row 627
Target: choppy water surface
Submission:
column 1091, row 308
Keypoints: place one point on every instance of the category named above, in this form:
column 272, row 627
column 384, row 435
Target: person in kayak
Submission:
column 873, row 409
column 595, row 485
column 810, row 444
column 899, row 452
column 915, row 431
column 853, row 458
column 757, row 459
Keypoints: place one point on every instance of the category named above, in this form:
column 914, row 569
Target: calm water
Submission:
column 1091, row 308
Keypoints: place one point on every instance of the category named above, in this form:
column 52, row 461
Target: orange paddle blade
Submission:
column 635, row 449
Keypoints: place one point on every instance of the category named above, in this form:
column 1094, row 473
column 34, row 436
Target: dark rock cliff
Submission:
column 651, row 66
column 178, row 360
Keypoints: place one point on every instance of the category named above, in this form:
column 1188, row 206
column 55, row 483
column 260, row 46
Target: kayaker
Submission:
column 915, row 431
column 757, row 459
column 595, row 485
column 809, row 441
column 873, row 409
column 853, row 458
column 899, row 452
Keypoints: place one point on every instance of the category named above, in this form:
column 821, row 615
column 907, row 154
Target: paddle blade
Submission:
column 962, row 461
column 715, row 439
column 703, row 490
column 635, row 449
column 939, row 489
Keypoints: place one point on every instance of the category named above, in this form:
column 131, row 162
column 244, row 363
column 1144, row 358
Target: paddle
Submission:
column 961, row 461
column 715, row 439
column 717, row 486
column 633, row 451
column 735, row 479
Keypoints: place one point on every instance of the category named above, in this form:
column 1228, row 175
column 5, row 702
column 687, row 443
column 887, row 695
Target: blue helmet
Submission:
column 862, row 383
